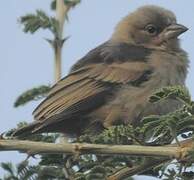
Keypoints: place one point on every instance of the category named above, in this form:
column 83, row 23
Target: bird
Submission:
column 112, row 83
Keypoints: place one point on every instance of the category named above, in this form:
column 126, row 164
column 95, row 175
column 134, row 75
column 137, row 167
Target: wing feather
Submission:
column 86, row 83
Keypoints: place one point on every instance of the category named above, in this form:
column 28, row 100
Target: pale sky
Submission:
column 27, row 60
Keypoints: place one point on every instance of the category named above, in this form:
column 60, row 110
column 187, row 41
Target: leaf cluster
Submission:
column 31, row 95
column 21, row 171
column 165, row 128
column 40, row 20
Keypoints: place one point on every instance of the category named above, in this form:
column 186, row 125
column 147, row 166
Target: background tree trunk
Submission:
column 61, row 13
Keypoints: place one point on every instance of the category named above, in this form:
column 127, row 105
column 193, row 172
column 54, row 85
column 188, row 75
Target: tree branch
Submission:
column 42, row 147
column 162, row 154
column 61, row 12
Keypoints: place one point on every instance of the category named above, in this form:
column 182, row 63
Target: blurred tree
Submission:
column 40, row 20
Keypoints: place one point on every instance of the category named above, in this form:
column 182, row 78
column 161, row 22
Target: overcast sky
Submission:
column 26, row 61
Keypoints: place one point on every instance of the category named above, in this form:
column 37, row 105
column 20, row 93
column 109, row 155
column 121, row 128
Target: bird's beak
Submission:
column 173, row 31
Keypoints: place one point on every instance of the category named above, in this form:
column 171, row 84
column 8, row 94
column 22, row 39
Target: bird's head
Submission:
column 151, row 27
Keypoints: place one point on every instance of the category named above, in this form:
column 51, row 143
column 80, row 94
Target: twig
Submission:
column 127, row 172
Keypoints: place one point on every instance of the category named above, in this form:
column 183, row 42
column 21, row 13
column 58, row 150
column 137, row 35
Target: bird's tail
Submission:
column 26, row 130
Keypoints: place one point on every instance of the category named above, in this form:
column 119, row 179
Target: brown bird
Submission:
column 113, row 82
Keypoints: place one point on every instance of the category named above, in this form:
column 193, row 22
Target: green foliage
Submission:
column 166, row 128
column 25, row 171
column 31, row 95
column 50, row 172
column 22, row 171
column 8, row 167
column 39, row 20
column 172, row 174
column 123, row 134
column 100, row 167
column 173, row 92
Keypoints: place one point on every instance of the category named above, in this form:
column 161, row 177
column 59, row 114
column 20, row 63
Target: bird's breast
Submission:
column 169, row 69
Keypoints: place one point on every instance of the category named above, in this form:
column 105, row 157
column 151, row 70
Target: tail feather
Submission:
column 26, row 130
column 52, row 125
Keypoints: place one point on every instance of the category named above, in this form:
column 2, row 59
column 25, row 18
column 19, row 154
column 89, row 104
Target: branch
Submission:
column 166, row 153
column 62, row 10
column 61, row 13
column 67, row 148
column 128, row 172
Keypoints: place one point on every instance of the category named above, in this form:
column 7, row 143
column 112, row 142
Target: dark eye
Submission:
column 151, row 29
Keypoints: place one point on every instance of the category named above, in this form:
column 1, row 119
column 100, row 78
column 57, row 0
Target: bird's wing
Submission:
column 87, row 88
column 92, row 80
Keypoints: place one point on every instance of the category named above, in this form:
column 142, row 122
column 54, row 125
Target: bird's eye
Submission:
column 151, row 29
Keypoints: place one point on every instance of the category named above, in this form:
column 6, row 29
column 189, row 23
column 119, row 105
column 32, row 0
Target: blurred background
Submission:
column 26, row 60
